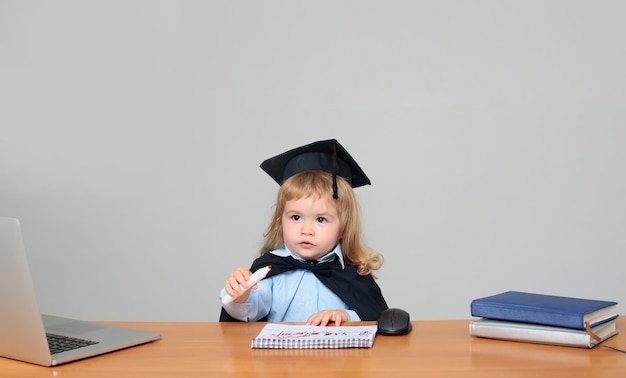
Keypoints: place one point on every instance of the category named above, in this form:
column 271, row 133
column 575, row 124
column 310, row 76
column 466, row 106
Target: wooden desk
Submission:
column 432, row 349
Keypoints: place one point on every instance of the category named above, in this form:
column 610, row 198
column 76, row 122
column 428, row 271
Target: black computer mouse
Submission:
column 394, row 321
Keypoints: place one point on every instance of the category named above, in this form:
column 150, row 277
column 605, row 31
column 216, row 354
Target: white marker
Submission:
column 254, row 278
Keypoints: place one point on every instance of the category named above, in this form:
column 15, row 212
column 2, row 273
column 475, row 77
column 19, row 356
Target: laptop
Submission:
column 24, row 331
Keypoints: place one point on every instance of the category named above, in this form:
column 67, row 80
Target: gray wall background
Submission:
column 493, row 133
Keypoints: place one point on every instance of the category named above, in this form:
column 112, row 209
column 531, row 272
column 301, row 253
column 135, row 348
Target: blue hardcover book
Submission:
column 543, row 309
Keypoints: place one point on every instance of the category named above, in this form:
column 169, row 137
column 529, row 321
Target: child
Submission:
column 321, row 272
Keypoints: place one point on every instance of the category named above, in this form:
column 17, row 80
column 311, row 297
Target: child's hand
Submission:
column 322, row 318
column 236, row 284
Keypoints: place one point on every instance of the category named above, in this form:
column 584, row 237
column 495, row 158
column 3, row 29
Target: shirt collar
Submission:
column 330, row 256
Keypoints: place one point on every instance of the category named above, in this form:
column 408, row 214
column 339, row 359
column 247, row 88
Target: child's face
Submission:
column 310, row 227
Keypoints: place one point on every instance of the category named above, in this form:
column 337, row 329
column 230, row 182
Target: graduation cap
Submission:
column 325, row 155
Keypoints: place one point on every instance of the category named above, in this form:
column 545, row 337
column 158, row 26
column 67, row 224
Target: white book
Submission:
column 534, row 333
column 289, row 336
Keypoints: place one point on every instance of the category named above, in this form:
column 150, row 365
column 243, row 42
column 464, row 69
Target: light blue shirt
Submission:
column 292, row 296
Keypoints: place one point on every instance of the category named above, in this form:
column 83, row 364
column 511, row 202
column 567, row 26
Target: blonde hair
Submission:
column 318, row 184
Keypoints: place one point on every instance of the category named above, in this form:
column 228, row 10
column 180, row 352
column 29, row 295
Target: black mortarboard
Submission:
column 325, row 155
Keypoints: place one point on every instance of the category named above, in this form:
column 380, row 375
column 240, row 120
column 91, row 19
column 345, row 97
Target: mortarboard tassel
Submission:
column 335, row 171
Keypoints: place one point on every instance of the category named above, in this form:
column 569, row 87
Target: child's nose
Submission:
column 307, row 228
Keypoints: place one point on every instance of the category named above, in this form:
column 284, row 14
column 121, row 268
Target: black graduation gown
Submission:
column 361, row 293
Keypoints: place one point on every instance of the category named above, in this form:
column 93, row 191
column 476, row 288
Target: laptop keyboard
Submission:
column 60, row 344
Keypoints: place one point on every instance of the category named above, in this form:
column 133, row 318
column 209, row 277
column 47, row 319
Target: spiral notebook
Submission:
column 289, row 336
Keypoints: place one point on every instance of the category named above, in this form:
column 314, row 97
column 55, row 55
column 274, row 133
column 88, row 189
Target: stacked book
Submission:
column 544, row 319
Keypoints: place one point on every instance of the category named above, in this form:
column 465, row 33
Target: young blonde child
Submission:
column 321, row 272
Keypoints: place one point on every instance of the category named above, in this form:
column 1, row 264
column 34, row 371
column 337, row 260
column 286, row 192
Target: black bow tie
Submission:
column 311, row 265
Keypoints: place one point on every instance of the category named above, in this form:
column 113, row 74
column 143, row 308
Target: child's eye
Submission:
column 295, row 217
column 321, row 219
